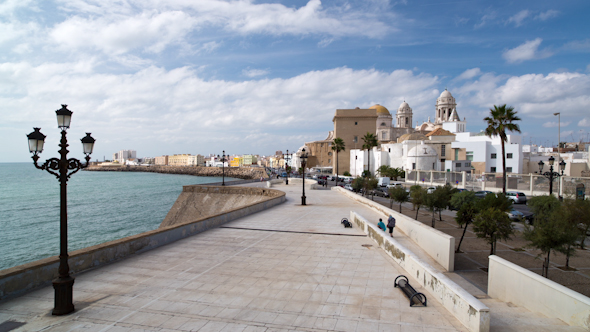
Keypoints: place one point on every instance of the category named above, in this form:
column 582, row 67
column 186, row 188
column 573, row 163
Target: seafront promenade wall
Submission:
column 440, row 246
column 21, row 279
column 471, row 312
column 509, row 282
column 232, row 172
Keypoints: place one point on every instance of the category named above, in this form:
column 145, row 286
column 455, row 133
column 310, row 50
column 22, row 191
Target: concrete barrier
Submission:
column 440, row 246
column 509, row 282
column 20, row 279
column 471, row 312
column 309, row 183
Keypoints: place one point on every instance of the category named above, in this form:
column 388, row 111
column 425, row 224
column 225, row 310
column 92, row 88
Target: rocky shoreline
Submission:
column 246, row 173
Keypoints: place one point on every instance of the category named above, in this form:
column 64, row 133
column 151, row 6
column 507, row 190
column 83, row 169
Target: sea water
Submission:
column 102, row 206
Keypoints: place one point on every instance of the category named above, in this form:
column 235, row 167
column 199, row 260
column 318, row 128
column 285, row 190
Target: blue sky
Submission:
column 182, row 76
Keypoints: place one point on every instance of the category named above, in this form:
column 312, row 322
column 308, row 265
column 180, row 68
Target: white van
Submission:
column 383, row 182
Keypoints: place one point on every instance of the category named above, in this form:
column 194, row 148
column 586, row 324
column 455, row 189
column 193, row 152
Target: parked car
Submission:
column 515, row 215
column 430, row 190
column 516, row 197
column 348, row 186
column 482, row 193
column 381, row 192
column 322, row 182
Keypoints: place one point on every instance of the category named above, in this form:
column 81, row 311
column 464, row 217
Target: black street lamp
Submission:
column 222, row 168
column 64, row 283
column 551, row 174
column 303, row 157
column 286, row 157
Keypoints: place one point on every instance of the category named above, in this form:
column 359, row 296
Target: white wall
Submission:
column 471, row 312
column 440, row 246
column 509, row 282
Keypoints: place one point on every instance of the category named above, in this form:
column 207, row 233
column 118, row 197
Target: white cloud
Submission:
column 547, row 15
column 469, row 74
column 485, row 19
column 578, row 45
column 154, row 109
column 527, row 51
column 555, row 124
column 519, row 17
column 254, row 72
column 585, row 122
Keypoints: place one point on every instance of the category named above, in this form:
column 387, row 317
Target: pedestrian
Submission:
column 381, row 224
column 391, row 224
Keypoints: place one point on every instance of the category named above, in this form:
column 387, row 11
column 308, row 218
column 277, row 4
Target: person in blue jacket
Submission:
column 381, row 224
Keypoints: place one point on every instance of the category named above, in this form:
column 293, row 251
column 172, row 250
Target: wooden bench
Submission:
column 415, row 297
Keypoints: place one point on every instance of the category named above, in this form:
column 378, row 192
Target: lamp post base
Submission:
column 303, row 200
column 287, row 182
column 63, row 296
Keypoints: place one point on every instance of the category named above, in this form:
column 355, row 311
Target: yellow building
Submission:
column 236, row 162
column 179, row 160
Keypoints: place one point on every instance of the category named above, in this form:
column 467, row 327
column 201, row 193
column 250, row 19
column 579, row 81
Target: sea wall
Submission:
column 440, row 246
column 23, row 278
column 509, row 282
column 231, row 172
column 471, row 312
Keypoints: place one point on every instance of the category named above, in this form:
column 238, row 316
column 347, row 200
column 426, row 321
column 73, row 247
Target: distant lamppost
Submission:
column 286, row 157
column 222, row 168
column 64, row 283
column 551, row 174
column 303, row 156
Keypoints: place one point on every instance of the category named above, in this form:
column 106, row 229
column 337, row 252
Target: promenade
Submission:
column 289, row 268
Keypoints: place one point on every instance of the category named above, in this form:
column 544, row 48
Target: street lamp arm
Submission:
column 76, row 165
column 48, row 165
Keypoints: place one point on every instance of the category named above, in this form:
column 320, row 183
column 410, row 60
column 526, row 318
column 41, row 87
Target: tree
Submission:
column 549, row 232
column 391, row 172
column 436, row 202
column 581, row 210
column 358, row 184
column 465, row 201
column 398, row 194
column 493, row 225
column 338, row 146
column 370, row 183
column 346, row 173
column 418, row 195
column 502, row 119
column 370, row 141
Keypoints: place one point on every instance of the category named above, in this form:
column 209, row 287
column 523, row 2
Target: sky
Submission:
column 253, row 77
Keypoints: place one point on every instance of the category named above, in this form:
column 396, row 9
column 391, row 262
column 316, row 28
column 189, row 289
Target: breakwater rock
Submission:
column 246, row 173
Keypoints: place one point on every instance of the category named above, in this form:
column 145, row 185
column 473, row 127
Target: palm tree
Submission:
column 338, row 145
column 501, row 120
column 370, row 142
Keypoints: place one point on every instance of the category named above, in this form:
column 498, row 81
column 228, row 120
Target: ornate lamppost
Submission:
column 303, row 156
column 286, row 157
column 551, row 174
column 64, row 283
column 222, row 168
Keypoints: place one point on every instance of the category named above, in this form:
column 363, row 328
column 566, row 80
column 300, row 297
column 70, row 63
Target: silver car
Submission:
column 516, row 197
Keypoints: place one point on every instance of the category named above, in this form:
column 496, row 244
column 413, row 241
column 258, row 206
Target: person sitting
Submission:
column 381, row 224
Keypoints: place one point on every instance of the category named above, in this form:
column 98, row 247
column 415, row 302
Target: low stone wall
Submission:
column 23, row 278
column 440, row 246
column 471, row 312
column 230, row 172
column 509, row 282
column 309, row 183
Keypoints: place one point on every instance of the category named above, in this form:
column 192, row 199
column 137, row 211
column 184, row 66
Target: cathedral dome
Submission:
column 422, row 150
column 404, row 108
column 445, row 94
column 412, row 137
column 381, row 110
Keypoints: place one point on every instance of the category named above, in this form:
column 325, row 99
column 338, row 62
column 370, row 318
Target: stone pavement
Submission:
column 289, row 268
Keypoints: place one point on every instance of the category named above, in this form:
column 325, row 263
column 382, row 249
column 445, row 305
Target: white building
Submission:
column 485, row 153
column 124, row 155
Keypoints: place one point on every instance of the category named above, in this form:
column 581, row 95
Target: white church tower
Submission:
column 445, row 104
column 404, row 116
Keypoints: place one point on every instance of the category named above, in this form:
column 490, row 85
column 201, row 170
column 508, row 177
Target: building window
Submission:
column 406, row 120
column 329, row 161
column 493, row 169
column 355, row 123
column 509, row 155
column 413, row 165
column 456, row 154
column 493, row 156
column 383, row 135
column 467, row 164
column 329, row 153
column 442, row 150
column 509, row 169
column 355, row 139
column 469, row 155
column 382, row 124
column 458, row 165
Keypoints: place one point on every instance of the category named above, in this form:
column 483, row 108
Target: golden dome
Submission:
column 381, row 110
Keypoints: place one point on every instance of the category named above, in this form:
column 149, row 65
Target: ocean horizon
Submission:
column 102, row 206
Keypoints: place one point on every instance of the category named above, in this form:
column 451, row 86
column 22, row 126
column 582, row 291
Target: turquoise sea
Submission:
column 102, row 206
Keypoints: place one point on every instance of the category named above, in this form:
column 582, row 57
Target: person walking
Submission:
column 381, row 224
column 390, row 224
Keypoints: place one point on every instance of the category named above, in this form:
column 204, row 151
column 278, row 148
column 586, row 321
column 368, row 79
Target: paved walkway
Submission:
column 290, row 268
